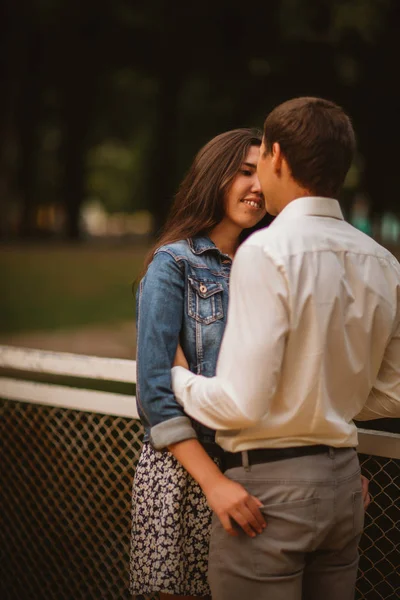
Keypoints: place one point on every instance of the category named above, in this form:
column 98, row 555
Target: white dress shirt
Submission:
column 312, row 339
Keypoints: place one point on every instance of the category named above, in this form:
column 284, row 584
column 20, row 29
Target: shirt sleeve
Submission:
column 159, row 321
column 250, row 360
column 384, row 398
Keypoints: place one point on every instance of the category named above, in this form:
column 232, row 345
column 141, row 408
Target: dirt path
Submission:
column 114, row 341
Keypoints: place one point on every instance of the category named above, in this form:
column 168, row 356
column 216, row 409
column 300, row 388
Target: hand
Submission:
column 229, row 500
column 180, row 358
column 365, row 493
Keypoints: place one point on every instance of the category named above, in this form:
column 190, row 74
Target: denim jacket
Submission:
column 183, row 296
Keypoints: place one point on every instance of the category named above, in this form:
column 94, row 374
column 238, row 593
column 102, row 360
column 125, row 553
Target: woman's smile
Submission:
column 254, row 202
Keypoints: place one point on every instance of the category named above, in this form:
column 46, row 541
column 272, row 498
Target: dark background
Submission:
column 111, row 99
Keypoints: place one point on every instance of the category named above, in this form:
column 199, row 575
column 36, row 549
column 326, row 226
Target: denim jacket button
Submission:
column 203, row 288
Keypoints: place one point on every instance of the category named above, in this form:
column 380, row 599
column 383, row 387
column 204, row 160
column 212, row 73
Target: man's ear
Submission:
column 277, row 157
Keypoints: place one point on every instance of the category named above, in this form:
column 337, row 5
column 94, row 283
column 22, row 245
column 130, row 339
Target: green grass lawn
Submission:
column 51, row 286
column 60, row 287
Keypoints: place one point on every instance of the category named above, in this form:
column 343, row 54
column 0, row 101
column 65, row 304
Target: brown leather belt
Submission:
column 262, row 455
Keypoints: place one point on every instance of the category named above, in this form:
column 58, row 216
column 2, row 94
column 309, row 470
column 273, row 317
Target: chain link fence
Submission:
column 65, row 489
column 379, row 571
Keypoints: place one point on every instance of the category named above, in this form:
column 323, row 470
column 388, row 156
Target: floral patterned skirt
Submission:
column 171, row 524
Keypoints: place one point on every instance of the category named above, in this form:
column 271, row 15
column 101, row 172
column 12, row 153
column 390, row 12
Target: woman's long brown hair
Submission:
column 199, row 203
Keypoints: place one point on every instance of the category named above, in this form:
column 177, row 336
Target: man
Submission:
column 312, row 341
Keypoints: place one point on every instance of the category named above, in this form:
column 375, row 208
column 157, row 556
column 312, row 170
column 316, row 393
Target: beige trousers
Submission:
column 309, row 550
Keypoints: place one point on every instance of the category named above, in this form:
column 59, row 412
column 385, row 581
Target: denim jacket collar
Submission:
column 201, row 244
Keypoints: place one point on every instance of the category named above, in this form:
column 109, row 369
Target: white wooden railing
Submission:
column 118, row 370
column 73, row 365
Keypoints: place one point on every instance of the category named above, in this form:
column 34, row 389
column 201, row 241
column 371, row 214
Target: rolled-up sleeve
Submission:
column 159, row 321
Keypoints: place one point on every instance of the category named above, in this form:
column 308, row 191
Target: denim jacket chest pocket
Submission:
column 205, row 303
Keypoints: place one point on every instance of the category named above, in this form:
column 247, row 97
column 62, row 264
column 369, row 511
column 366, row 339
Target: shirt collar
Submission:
column 315, row 206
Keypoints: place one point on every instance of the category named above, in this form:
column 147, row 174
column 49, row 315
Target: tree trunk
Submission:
column 12, row 38
column 162, row 179
column 78, row 91
column 28, row 120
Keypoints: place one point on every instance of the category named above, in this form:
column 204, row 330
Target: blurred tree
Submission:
column 148, row 83
column 12, row 46
column 79, row 54
column 377, row 108
column 28, row 118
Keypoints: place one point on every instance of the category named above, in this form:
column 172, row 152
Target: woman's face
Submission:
column 244, row 202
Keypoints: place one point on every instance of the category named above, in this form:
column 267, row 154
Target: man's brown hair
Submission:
column 317, row 140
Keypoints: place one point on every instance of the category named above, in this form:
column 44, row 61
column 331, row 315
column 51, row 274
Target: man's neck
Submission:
column 294, row 194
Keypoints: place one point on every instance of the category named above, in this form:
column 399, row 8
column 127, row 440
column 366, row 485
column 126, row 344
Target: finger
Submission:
column 364, row 485
column 254, row 506
column 243, row 518
column 227, row 524
column 257, row 501
column 367, row 501
column 250, row 519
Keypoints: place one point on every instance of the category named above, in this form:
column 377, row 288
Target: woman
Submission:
column 183, row 298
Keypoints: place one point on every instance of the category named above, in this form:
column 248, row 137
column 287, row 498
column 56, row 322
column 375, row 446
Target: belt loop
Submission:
column 331, row 452
column 245, row 460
